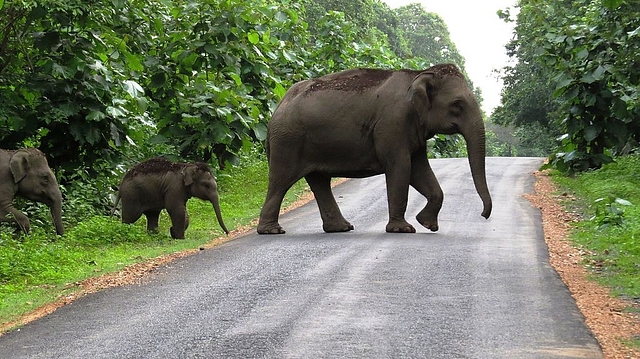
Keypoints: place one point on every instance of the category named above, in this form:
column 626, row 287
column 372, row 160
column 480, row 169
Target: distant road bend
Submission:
column 475, row 289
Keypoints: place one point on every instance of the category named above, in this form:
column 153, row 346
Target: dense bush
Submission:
column 576, row 77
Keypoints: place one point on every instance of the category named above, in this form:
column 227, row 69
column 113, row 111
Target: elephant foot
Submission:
column 338, row 227
column 428, row 222
column 400, row 227
column 271, row 230
column 175, row 234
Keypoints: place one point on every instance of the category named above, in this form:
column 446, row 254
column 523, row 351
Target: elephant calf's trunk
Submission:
column 56, row 215
column 216, row 208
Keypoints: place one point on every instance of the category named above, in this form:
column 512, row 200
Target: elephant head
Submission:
column 444, row 100
column 30, row 177
column 200, row 182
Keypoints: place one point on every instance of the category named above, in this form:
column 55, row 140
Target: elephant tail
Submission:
column 115, row 205
column 266, row 146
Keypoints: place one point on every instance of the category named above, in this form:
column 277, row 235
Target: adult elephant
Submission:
column 157, row 183
column 26, row 173
column 364, row 122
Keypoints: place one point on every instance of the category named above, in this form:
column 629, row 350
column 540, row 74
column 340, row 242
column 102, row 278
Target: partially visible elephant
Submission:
column 26, row 173
column 157, row 183
column 364, row 122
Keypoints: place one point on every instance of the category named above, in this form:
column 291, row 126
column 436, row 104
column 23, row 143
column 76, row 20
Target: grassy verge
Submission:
column 36, row 269
column 609, row 202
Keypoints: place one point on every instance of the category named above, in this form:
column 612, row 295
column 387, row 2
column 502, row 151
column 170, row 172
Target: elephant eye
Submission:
column 457, row 107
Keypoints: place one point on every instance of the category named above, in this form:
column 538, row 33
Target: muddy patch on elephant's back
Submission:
column 359, row 81
column 162, row 165
column 442, row 70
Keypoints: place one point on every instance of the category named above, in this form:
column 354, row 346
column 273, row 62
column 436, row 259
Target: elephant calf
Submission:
column 156, row 184
column 26, row 173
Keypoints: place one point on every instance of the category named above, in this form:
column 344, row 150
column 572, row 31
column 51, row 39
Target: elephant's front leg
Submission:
column 19, row 217
column 398, row 178
column 178, row 215
column 332, row 219
column 424, row 181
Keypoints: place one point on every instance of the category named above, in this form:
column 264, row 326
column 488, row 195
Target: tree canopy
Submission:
column 90, row 82
column 577, row 77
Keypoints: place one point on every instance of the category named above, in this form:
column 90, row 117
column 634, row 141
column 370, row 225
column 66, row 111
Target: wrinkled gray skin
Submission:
column 26, row 173
column 364, row 122
column 156, row 184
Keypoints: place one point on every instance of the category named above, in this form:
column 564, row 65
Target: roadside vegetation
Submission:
column 608, row 202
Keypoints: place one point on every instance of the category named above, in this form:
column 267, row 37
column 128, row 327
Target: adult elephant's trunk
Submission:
column 56, row 214
column 216, row 208
column 476, row 148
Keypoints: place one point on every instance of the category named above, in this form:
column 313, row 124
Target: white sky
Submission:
column 480, row 37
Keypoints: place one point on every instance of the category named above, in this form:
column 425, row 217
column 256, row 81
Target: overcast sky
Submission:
column 479, row 35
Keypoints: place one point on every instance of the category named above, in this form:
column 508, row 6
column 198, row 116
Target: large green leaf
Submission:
column 133, row 88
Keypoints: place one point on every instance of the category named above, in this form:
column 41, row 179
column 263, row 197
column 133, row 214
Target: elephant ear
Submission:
column 19, row 165
column 188, row 175
column 420, row 92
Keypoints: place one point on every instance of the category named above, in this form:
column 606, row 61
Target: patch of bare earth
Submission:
column 606, row 316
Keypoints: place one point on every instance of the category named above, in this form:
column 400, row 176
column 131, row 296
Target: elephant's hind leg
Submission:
column 152, row 220
column 332, row 218
column 279, row 184
column 130, row 214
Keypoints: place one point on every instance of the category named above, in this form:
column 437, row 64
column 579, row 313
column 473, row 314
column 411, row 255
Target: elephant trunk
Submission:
column 476, row 149
column 216, row 208
column 56, row 214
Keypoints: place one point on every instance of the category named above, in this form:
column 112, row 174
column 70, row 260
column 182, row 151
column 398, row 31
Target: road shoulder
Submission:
column 607, row 317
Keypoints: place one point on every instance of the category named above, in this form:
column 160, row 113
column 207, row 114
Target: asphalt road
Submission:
column 475, row 289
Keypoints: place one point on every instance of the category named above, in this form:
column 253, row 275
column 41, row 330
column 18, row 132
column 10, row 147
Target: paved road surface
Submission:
column 476, row 289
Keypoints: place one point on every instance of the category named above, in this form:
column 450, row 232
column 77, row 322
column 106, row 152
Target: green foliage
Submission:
column 609, row 211
column 613, row 250
column 373, row 22
column 121, row 81
column 428, row 35
column 576, row 73
column 499, row 146
column 61, row 87
column 218, row 68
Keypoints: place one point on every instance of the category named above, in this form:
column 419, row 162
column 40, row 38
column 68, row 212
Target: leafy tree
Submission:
column 593, row 53
column 576, row 75
column 89, row 82
column 428, row 35
column 61, row 87
column 217, row 68
column 373, row 21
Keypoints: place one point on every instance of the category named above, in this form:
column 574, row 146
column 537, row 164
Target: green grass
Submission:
column 614, row 258
column 39, row 268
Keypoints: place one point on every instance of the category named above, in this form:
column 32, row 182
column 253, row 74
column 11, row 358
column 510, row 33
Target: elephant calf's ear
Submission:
column 419, row 90
column 19, row 165
column 187, row 175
